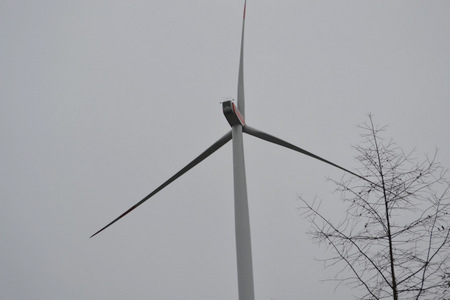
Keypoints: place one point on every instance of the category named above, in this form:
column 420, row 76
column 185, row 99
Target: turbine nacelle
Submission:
column 232, row 114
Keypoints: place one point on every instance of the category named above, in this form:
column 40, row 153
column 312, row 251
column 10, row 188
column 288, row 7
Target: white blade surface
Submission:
column 222, row 141
column 270, row 138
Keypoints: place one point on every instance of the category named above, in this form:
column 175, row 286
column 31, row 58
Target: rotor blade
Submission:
column 275, row 140
column 240, row 97
column 222, row 141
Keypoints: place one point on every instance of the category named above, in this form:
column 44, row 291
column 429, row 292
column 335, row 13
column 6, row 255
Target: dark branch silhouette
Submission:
column 394, row 241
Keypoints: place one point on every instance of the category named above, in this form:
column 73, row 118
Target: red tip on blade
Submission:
column 245, row 5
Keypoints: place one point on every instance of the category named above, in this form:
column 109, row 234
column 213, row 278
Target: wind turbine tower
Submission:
column 236, row 118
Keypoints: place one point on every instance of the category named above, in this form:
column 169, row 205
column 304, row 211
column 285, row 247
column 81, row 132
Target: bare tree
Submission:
column 393, row 242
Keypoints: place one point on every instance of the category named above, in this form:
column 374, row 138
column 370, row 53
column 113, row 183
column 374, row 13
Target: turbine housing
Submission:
column 232, row 114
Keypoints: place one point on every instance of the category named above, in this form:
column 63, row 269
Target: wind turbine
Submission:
column 236, row 118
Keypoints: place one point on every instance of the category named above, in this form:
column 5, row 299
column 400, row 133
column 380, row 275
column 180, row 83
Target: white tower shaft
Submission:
column 242, row 219
column 241, row 211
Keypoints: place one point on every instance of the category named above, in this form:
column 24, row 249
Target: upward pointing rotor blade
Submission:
column 240, row 96
column 275, row 140
column 222, row 141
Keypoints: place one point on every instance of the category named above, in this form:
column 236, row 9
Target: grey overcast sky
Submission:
column 101, row 101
